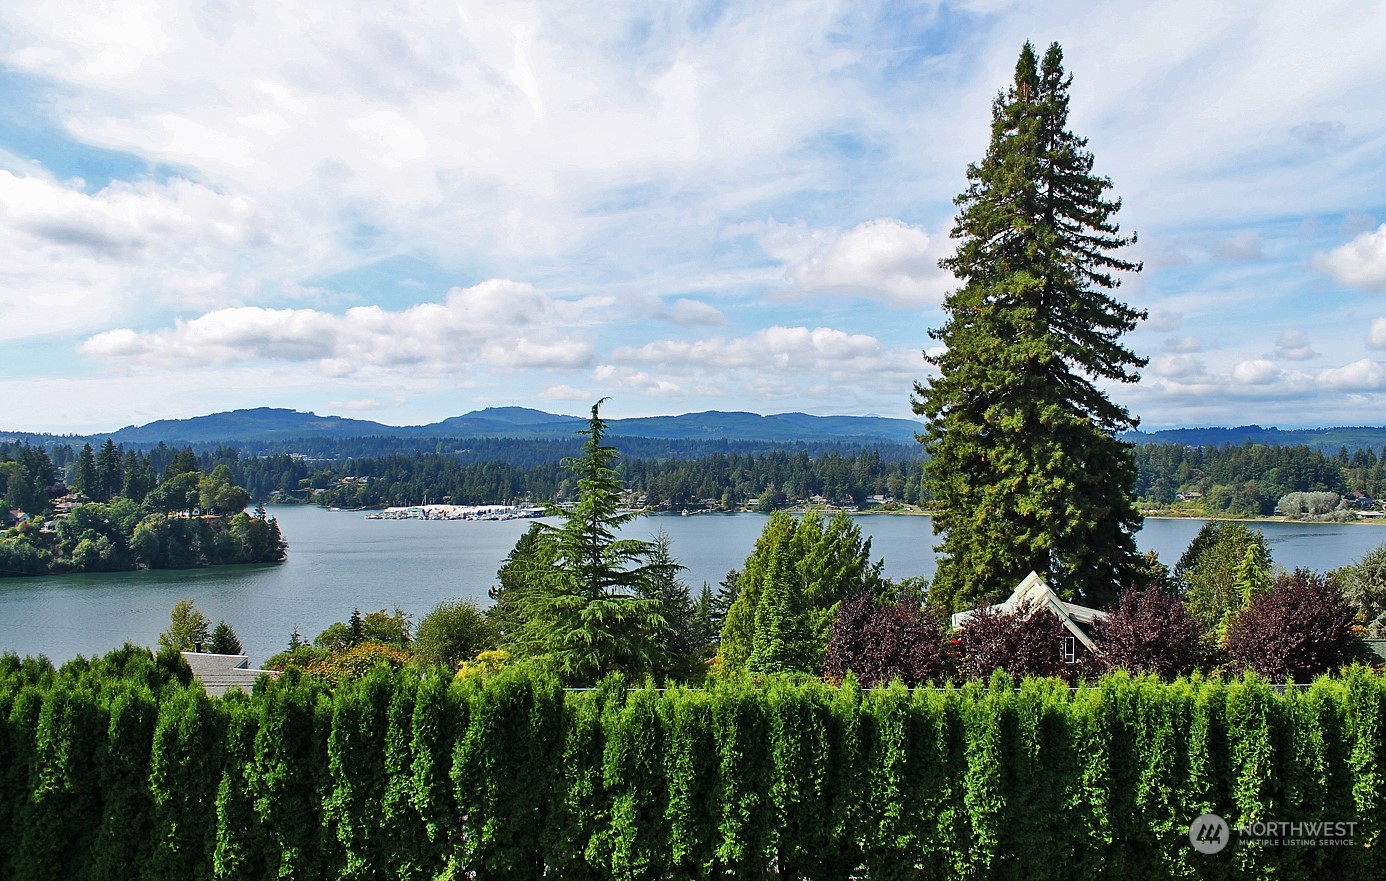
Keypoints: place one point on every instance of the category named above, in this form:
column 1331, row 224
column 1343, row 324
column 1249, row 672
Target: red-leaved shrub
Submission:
column 1298, row 629
column 1150, row 631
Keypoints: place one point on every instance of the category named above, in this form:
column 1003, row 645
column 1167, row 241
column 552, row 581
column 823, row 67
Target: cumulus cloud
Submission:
column 684, row 311
column 1294, row 345
column 1376, row 336
column 1183, row 344
column 882, row 259
column 74, row 258
column 1361, row 375
column 771, row 363
column 564, row 392
column 1163, row 320
column 1361, row 263
column 503, row 323
column 1178, row 367
column 1257, row 372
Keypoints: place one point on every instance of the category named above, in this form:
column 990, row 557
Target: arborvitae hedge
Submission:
column 118, row 768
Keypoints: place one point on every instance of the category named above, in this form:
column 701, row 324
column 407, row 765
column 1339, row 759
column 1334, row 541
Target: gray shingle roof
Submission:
column 219, row 673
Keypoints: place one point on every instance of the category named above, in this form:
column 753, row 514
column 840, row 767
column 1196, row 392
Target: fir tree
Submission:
column 1025, row 469
column 782, row 642
column 224, row 640
column 85, row 479
column 110, row 472
column 587, row 615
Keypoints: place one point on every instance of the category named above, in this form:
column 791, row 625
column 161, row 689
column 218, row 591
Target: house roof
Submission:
column 220, row 673
column 1033, row 589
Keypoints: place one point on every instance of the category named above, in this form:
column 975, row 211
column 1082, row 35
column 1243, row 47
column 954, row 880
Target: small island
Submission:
column 121, row 510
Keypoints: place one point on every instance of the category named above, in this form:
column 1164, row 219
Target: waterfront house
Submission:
column 221, row 673
column 1077, row 620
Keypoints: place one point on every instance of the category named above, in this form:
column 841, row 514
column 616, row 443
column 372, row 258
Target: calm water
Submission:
column 340, row 561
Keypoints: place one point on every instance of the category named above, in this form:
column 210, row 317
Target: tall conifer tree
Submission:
column 1025, row 468
column 588, row 615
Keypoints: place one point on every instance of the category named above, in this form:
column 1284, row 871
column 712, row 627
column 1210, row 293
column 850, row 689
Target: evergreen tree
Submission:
column 586, row 616
column 85, row 480
column 224, row 640
column 829, row 561
column 782, row 642
column 1025, row 469
column 110, row 472
column 522, row 569
column 1222, row 570
column 682, row 633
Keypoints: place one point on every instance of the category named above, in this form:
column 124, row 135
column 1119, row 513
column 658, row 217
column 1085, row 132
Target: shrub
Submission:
column 1149, row 631
column 1302, row 627
column 880, row 643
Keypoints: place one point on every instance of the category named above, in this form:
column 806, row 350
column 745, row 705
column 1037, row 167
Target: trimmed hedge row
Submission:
column 134, row 773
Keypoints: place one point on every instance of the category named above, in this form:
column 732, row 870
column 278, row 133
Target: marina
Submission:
column 458, row 512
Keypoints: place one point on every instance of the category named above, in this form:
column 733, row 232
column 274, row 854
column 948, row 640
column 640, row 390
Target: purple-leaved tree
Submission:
column 880, row 643
column 1024, row 642
column 1298, row 629
column 1150, row 631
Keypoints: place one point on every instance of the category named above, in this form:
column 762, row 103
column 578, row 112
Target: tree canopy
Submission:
column 1025, row 468
column 587, row 614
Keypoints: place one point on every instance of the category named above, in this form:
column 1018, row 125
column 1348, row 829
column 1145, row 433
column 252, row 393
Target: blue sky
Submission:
column 414, row 210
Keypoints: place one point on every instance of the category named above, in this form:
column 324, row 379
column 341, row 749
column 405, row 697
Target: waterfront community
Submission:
column 475, row 653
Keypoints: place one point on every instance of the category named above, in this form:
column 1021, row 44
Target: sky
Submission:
column 406, row 211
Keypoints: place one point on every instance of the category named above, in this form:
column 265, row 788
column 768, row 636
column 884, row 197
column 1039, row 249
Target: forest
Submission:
column 118, row 510
column 1244, row 480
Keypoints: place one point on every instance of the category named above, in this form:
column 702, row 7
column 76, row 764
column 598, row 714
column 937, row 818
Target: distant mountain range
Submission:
column 1328, row 440
column 266, row 424
column 274, row 425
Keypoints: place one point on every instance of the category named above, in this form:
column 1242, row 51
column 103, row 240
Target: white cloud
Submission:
column 1294, row 345
column 1376, row 336
column 503, row 323
column 1362, row 375
column 564, row 392
column 73, row 260
column 1257, row 372
column 1361, row 263
column 882, row 259
column 1177, row 366
column 691, row 313
column 1163, row 320
column 1184, row 344
column 1242, row 246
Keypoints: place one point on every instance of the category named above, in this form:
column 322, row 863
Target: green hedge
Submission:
column 118, row 768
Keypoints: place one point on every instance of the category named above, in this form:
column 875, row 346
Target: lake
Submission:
column 339, row 561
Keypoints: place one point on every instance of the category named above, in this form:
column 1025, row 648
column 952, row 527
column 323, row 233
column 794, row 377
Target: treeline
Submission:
column 119, row 767
column 1249, row 480
column 1246, row 480
column 729, row 480
column 126, row 510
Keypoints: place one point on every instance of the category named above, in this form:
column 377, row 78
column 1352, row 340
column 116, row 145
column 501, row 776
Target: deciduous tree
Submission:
column 187, row 628
column 1025, row 468
column 1301, row 627
column 1024, row 641
column 1149, row 631
column 881, row 642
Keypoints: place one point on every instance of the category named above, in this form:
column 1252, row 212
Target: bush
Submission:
column 1301, row 628
column 452, row 633
column 1023, row 642
column 1149, row 631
